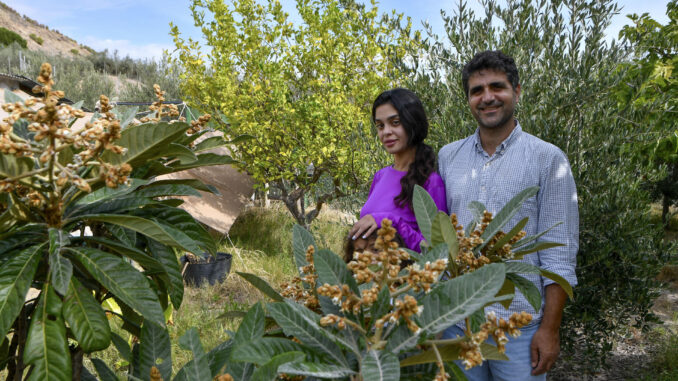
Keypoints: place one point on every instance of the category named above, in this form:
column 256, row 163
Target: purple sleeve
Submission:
column 436, row 188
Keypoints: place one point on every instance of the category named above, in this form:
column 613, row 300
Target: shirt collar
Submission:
column 512, row 138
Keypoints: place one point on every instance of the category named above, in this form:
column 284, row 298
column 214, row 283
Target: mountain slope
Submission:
column 53, row 41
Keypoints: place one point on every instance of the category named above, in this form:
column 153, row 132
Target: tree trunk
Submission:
column 76, row 363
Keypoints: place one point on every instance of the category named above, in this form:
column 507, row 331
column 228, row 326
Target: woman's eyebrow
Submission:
column 391, row 117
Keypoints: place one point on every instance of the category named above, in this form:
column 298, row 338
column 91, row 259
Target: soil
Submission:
column 632, row 355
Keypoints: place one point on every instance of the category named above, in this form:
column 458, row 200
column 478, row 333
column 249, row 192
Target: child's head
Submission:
column 362, row 244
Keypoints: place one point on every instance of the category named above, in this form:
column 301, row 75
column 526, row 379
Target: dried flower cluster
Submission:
column 52, row 126
column 468, row 260
column 296, row 290
column 158, row 107
column 497, row 329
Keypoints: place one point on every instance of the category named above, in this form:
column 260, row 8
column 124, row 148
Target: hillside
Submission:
column 54, row 42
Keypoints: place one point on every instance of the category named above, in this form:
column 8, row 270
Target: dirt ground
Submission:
column 632, row 355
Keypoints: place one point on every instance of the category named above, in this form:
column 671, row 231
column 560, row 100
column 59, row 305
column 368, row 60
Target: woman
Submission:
column 402, row 126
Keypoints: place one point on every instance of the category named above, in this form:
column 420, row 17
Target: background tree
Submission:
column 650, row 90
column 569, row 75
column 301, row 90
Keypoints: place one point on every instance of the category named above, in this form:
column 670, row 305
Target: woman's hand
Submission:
column 363, row 228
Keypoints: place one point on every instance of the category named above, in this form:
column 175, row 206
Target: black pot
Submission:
column 213, row 270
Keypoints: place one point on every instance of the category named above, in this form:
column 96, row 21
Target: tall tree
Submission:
column 650, row 90
column 302, row 90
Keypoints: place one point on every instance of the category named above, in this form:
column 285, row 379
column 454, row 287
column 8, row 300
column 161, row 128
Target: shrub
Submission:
column 7, row 37
column 58, row 180
column 35, row 38
column 75, row 52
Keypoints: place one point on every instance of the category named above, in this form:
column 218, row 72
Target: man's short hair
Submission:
column 493, row 60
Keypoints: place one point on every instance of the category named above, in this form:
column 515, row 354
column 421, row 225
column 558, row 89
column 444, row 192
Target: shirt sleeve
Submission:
column 436, row 188
column 557, row 201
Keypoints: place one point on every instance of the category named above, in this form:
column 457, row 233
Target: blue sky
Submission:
column 140, row 28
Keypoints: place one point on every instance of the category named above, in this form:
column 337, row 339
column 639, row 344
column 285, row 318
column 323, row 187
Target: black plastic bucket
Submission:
column 213, row 270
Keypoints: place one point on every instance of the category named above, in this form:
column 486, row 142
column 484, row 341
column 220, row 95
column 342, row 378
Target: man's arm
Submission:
column 545, row 345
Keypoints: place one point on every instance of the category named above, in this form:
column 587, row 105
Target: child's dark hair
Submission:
column 413, row 118
column 349, row 247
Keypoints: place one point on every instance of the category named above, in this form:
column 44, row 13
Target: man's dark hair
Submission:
column 493, row 60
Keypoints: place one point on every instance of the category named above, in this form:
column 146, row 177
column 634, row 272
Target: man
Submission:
column 492, row 166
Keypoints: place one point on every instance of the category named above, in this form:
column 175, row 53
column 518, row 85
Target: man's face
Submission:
column 492, row 99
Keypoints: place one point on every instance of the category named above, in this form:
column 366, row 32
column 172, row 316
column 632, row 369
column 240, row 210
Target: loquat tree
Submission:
column 301, row 90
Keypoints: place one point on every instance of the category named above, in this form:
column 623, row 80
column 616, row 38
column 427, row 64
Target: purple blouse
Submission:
column 385, row 188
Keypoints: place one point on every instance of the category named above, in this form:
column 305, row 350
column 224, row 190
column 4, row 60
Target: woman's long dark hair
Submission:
column 413, row 118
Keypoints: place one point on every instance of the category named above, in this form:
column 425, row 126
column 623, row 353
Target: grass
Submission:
column 260, row 243
column 664, row 366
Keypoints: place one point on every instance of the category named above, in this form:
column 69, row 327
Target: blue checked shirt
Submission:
column 520, row 161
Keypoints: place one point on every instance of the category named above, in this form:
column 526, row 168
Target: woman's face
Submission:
column 390, row 131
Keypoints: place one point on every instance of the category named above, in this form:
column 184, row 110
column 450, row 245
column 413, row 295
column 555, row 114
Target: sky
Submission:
column 140, row 28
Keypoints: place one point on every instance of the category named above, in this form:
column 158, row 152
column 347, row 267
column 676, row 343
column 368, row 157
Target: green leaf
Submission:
column 382, row 306
column 155, row 349
column 118, row 205
column 534, row 247
column 145, row 142
column 458, row 298
column 261, row 350
column 104, row 372
column 181, row 152
column 506, row 214
column 507, row 288
column 331, row 269
column 443, row 231
column 198, row 369
column 203, row 160
column 219, row 356
column 123, row 280
column 312, row 369
column 86, row 318
column 166, row 190
column 11, row 166
column 106, row 193
column 46, row 344
column 166, row 255
column 526, row 268
column 440, row 251
column 477, row 210
column 10, row 97
column 380, row 365
column 127, row 116
column 150, row 264
column 152, row 229
column 269, row 370
column 61, row 267
column 16, row 276
column 121, row 345
column 560, row 280
column 450, row 352
column 528, row 289
column 298, row 321
column 179, row 219
column 301, row 240
column 262, row 286
column 425, row 210
column 457, row 372
column 252, row 326
column 193, row 183
column 210, row 143
column 512, row 233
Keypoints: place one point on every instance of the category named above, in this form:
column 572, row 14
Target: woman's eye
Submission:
column 396, row 122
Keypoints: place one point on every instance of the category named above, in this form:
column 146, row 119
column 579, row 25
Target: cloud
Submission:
column 127, row 48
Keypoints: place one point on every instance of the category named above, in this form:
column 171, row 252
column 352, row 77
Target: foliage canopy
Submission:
column 302, row 91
